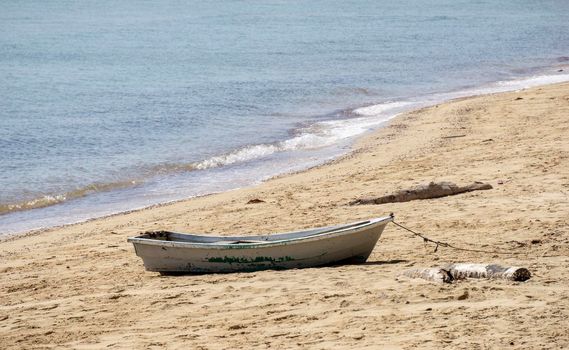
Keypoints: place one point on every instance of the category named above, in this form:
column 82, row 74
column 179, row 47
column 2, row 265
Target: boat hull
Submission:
column 353, row 245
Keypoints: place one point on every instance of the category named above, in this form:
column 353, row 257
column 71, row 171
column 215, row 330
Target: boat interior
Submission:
column 191, row 238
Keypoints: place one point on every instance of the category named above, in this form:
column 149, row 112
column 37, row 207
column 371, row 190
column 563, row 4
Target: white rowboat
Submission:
column 170, row 252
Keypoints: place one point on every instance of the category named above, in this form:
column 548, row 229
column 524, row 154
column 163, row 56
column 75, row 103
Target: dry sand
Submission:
column 82, row 286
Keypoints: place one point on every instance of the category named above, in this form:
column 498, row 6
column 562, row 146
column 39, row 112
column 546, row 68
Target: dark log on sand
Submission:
column 452, row 272
column 434, row 274
column 465, row 270
column 432, row 190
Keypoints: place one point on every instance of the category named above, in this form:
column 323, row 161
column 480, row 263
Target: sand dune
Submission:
column 82, row 286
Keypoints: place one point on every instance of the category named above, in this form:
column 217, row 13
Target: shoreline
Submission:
column 407, row 106
column 83, row 286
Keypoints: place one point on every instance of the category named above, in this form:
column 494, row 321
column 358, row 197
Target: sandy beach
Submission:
column 82, row 286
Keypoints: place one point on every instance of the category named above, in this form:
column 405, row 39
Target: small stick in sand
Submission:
column 452, row 136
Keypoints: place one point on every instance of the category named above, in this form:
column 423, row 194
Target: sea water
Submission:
column 108, row 106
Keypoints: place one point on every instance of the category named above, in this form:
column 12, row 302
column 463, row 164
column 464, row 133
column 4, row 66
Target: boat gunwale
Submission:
column 340, row 231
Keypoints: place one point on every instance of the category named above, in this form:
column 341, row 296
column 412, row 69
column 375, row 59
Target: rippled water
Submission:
column 108, row 106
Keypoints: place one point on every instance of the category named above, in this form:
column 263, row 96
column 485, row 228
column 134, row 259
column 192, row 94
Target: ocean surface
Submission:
column 109, row 106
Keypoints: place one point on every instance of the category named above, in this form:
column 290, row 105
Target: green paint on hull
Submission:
column 243, row 260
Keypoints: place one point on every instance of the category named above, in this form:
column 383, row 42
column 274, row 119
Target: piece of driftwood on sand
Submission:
column 493, row 271
column 452, row 272
column 435, row 274
column 431, row 190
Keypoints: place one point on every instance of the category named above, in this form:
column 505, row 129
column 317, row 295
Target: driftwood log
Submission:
column 432, row 190
column 465, row 270
column 452, row 272
column 435, row 274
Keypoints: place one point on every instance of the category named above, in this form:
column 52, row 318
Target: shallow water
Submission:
column 107, row 106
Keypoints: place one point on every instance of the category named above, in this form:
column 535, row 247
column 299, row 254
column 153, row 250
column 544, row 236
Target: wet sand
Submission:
column 82, row 286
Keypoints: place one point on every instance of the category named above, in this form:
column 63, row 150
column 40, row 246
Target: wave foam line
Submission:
column 52, row 199
column 319, row 135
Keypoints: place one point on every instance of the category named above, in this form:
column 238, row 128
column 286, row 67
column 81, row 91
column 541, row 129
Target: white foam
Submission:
column 502, row 86
column 240, row 155
column 532, row 81
column 318, row 135
column 381, row 109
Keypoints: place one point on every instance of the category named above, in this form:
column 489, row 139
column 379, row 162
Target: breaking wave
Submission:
column 317, row 135
column 52, row 199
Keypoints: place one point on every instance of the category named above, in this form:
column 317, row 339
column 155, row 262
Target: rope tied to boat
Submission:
column 446, row 244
